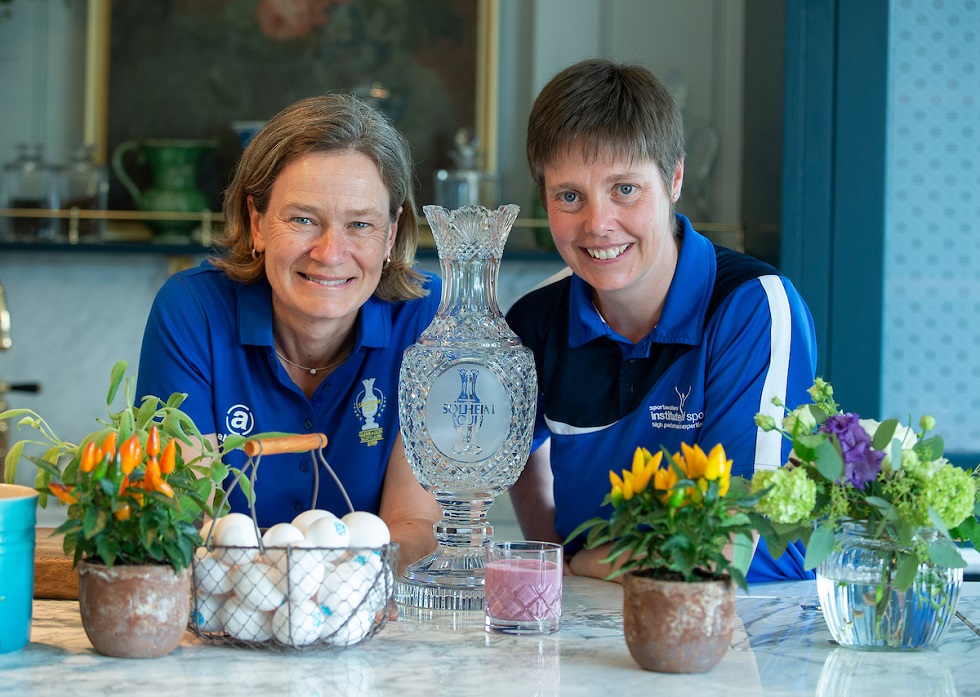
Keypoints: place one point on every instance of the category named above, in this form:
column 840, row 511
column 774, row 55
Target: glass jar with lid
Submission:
column 84, row 187
column 29, row 183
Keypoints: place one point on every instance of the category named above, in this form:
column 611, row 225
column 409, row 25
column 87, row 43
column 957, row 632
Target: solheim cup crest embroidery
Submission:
column 369, row 403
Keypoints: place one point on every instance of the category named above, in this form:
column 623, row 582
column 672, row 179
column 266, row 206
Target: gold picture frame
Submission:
column 96, row 119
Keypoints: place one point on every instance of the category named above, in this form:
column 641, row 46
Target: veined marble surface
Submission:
column 783, row 648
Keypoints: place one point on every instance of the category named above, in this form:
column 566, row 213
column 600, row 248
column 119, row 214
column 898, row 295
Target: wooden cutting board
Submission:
column 54, row 579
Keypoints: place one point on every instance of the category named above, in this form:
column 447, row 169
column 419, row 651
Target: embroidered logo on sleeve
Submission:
column 369, row 403
column 676, row 416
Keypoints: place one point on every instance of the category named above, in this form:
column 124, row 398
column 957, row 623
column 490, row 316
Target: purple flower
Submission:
column 861, row 462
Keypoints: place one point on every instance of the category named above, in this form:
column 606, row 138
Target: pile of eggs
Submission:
column 321, row 578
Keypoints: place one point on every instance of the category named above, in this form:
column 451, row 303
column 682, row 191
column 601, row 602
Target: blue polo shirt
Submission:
column 733, row 334
column 211, row 337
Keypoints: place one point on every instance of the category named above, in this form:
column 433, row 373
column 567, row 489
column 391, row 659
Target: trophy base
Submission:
column 448, row 579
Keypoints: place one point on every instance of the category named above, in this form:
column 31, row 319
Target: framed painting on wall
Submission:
column 191, row 69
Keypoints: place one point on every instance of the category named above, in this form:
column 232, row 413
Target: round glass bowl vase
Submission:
column 863, row 604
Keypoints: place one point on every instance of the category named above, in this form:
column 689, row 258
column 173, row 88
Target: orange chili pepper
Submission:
column 109, row 445
column 88, row 461
column 153, row 481
column 169, row 458
column 130, row 453
column 153, row 441
column 63, row 492
column 137, row 496
column 123, row 512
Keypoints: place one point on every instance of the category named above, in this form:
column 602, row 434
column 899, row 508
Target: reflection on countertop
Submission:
column 782, row 648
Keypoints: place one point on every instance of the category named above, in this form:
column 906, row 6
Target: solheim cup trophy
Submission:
column 466, row 404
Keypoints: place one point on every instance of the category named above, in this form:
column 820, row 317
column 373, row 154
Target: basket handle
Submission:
column 285, row 444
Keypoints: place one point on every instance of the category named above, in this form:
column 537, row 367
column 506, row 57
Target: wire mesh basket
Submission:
column 295, row 596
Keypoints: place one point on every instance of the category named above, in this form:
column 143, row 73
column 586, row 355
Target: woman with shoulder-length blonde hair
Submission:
column 298, row 324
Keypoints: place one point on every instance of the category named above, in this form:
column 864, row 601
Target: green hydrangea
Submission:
column 951, row 492
column 792, row 497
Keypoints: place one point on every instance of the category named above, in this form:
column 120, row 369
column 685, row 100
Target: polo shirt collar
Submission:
column 682, row 320
column 255, row 318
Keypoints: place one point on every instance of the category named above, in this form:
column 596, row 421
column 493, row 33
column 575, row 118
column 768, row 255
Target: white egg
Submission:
column 282, row 535
column 211, row 575
column 381, row 578
column 307, row 518
column 302, row 570
column 276, row 539
column 298, row 624
column 328, row 532
column 236, row 530
column 340, row 630
column 206, row 613
column 345, row 587
column 245, row 623
column 257, row 586
column 366, row 530
column 206, row 529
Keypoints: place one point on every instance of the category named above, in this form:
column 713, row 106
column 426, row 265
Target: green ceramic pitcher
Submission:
column 174, row 166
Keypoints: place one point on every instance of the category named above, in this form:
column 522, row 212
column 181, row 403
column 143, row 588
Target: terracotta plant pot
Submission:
column 677, row 627
column 134, row 611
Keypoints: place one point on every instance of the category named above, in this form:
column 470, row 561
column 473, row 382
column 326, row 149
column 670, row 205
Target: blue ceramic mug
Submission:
column 18, row 519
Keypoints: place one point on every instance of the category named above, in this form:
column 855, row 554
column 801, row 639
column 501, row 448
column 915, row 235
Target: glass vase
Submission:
column 466, row 405
column 862, row 603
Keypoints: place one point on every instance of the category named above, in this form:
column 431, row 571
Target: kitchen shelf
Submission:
column 127, row 233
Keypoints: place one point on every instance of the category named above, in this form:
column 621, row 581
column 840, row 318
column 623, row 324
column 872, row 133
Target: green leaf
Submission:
column 820, row 546
column 878, row 503
column 883, row 436
column 908, row 567
column 11, row 460
column 742, row 549
column 829, row 462
column 176, row 399
column 147, row 411
column 115, row 379
column 929, row 449
column 944, row 553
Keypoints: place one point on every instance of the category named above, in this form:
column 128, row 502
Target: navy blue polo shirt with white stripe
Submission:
column 211, row 337
column 733, row 334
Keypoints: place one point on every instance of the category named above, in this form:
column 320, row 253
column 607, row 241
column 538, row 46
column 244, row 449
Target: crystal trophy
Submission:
column 466, row 404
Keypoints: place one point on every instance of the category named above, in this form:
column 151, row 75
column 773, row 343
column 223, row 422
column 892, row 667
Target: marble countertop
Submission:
column 782, row 648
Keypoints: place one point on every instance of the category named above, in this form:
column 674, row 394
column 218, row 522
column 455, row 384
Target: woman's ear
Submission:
column 254, row 220
column 677, row 182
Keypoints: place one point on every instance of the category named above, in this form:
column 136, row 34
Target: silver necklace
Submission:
column 314, row 371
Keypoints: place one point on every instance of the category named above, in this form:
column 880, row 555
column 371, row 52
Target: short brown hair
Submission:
column 328, row 123
column 606, row 108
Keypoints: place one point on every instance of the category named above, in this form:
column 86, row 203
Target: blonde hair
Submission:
column 328, row 123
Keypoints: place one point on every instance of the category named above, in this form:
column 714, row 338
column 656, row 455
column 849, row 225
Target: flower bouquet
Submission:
column 878, row 508
column 673, row 520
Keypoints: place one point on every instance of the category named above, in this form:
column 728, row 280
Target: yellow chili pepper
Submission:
column 88, row 461
column 153, row 441
column 123, row 511
column 169, row 457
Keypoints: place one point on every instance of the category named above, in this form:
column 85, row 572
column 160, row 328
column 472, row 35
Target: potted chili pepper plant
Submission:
column 133, row 500
column 680, row 535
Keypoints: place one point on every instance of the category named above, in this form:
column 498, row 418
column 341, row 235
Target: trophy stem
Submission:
column 451, row 578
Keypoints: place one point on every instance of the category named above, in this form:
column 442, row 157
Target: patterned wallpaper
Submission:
column 931, row 356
